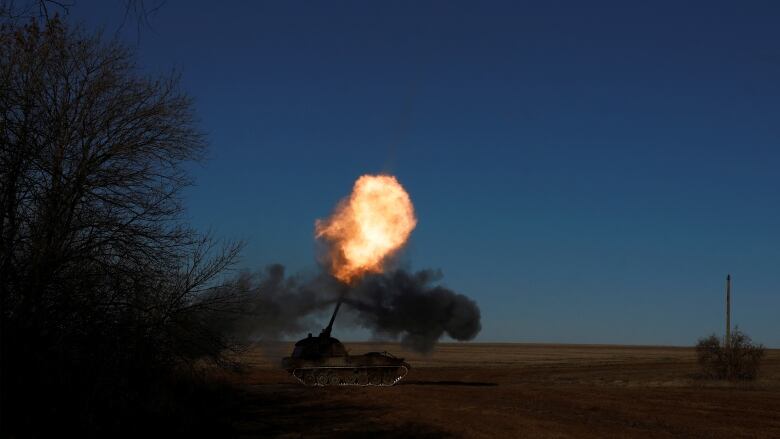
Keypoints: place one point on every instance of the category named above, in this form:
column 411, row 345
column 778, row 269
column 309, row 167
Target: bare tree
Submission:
column 97, row 268
column 139, row 11
column 27, row 9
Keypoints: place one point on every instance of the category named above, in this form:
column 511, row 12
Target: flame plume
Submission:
column 368, row 227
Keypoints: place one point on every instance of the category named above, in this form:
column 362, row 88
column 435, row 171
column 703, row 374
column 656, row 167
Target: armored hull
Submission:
column 323, row 361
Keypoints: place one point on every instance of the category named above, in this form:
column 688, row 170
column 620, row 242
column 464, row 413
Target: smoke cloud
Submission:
column 400, row 305
column 410, row 306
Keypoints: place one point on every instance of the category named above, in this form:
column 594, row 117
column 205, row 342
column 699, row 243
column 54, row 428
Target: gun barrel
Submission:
column 327, row 330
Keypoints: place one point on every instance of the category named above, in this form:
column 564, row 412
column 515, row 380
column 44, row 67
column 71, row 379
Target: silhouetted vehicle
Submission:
column 323, row 361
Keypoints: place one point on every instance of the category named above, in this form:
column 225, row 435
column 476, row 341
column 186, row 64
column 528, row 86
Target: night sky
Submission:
column 587, row 172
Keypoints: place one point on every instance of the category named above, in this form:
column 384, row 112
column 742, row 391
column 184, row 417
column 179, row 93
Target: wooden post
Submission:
column 728, row 311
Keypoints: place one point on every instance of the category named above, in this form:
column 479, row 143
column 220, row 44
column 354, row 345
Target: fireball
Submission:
column 368, row 227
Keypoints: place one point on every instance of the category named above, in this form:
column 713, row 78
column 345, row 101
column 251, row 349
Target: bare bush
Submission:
column 739, row 360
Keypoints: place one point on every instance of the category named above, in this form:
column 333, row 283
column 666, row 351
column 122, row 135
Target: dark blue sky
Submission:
column 588, row 173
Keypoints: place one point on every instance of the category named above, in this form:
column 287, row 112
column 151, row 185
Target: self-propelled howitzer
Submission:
column 323, row 361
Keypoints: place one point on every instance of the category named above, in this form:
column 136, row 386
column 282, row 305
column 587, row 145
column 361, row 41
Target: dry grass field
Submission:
column 516, row 390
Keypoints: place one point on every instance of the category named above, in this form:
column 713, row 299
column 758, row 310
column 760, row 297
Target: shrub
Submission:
column 740, row 360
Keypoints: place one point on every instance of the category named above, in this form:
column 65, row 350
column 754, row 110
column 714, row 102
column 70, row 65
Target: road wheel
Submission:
column 322, row 378
column 388, row 378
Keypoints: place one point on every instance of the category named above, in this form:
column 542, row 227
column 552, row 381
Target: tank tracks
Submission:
column 350, row 376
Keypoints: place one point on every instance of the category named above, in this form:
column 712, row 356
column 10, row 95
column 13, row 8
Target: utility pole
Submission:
column 728, row 311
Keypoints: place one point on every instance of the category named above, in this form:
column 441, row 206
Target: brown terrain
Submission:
column 485, row 390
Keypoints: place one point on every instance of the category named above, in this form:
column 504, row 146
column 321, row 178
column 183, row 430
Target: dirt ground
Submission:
column 516, row 390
